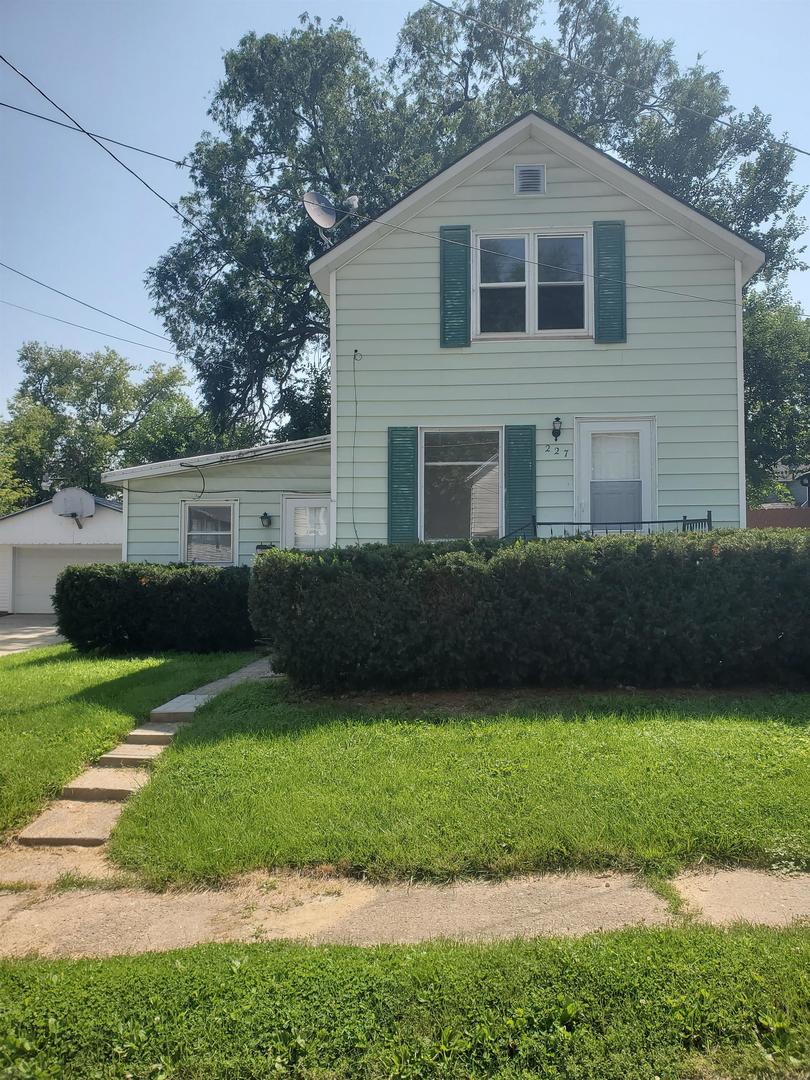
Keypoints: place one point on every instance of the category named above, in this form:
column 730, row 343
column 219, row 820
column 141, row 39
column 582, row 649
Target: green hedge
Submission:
column 704, row 609
column 137, row 607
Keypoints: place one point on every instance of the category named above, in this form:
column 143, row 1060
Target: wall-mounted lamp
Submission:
column 266, row 520
column 556, row 427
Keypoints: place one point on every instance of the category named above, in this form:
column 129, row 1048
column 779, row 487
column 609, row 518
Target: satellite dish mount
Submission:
column 325, row 214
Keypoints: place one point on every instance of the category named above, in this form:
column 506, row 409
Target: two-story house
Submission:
column 535, row 334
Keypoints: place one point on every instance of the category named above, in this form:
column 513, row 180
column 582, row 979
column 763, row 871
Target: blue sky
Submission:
column 143, row 71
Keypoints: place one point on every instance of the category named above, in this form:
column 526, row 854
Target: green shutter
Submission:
column 402, row 485
column 519, row 472
column 454, row 286
column 610, row 300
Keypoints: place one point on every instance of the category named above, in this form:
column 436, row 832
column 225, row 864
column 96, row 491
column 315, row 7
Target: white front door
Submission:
column 615, row 473
column 306, row 522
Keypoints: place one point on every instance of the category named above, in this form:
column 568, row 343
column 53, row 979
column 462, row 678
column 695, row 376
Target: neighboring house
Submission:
column 536, row 333
column 36, row 543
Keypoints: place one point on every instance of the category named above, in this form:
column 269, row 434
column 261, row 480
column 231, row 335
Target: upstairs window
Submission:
column 560, row 283
column 503, row 285
column 532, row 284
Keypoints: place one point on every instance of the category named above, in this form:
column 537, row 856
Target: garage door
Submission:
column 35, row 570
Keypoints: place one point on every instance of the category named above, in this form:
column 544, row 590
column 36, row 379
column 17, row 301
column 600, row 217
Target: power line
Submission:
column 172, row 206
column 92, row 329
column 541, row 47
column 84, row 303
column 548, row 266
column 104, row 138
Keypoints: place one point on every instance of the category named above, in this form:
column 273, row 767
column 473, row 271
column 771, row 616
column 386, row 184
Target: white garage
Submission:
column 37, row 543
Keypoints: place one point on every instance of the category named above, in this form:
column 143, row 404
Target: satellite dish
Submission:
column 320, row 209
column 73, row 502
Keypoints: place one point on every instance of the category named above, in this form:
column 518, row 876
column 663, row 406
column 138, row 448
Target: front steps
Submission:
column 91, row 804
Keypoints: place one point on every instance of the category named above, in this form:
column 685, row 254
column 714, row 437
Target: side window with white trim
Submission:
column 209, row 534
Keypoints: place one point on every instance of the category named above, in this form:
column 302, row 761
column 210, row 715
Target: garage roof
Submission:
column 110, row 504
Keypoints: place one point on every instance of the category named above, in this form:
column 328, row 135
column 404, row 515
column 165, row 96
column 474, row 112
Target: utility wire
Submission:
column 84, row 303
column 548, row 266
column 104, row 138
column 92, row 329
column 539, row 46
column 172, row 206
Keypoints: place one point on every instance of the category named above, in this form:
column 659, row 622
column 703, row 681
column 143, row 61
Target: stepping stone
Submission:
column 129, row 755
column 153, row 734
column 105, row 785
column 179, row 709
column 83, row 824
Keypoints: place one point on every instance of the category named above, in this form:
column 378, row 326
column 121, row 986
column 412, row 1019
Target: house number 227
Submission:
column 557, row 451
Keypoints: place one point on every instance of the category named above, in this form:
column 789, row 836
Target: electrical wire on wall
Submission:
column 357, row 356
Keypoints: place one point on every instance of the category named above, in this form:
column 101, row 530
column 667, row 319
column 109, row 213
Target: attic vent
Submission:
column 530, row 179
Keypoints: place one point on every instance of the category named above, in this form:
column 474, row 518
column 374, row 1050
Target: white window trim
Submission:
column 530, row 237
column 647, row 429
column 530, row 165
column 185, row 504
column 289, row 497
column 421, row 470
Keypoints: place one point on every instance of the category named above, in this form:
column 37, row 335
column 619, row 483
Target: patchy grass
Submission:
column 636, row 1004
column 475, row 784
column 59, row 710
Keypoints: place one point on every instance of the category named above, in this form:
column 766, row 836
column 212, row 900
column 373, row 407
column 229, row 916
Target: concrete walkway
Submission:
column 260, row 907
column 91, row 804
column 21, row 632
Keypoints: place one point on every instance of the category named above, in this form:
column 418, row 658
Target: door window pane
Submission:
column 616, row 456
column 310, row 527
column 462, row 487
column 616, row 496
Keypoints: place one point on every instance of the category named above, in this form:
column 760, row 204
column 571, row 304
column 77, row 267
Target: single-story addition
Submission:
column 222, row 508
column 38, row 542
column 535, row 340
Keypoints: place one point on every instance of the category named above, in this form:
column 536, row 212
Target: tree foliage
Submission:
column 311, row 109
column 777, row 385
column 75, row 415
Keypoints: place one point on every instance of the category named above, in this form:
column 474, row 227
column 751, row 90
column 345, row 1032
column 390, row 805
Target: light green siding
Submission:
column 679, row 362
column 153, row 518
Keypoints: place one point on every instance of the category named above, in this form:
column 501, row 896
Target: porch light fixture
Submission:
column 556, row 428
column 266, row 520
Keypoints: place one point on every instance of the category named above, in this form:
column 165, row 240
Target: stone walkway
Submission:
column 91, row 804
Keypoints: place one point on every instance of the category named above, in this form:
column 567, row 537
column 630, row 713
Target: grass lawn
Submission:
column 480, row 784
column 691, row 1002
column 59, row 709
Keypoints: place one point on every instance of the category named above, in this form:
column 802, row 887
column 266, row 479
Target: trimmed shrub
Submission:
column 706, row 609
column 143, row 607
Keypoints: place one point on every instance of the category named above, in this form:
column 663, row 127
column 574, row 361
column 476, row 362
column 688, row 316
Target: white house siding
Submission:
column 6, row 564
column 679, row 363
column 153, row 533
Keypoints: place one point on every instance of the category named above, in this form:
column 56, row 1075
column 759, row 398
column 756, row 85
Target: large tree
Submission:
column 777, row 385
column 311, row 109
column 76, row 414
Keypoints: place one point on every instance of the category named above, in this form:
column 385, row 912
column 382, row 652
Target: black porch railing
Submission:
column 547, row 530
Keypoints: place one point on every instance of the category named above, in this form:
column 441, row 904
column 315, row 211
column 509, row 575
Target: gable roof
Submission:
column 576, row 150
column 175, row 465
column 107, row 504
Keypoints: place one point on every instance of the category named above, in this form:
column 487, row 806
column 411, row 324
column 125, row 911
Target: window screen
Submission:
column 209, row 534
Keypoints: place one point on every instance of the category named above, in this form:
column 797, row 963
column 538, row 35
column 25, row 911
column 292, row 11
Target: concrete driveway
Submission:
column 19, row 632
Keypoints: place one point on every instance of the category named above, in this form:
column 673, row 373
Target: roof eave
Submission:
column 578, row 152
column 225, row 457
